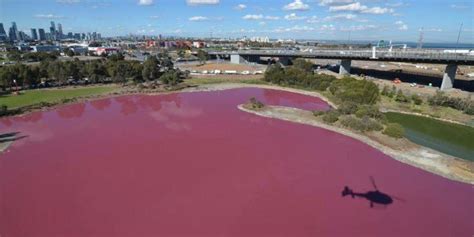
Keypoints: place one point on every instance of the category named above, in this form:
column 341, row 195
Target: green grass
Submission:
column 450, row 138
column 31, row 97
column 217, row 80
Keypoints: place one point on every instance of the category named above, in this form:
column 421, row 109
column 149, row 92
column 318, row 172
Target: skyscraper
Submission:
column 3, row 34
column 34, row 34
column 13, row 32
column 42, row 34
column 60, row 31
column 52, row 31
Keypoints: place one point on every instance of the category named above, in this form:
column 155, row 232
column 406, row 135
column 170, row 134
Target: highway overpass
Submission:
column 450, row 59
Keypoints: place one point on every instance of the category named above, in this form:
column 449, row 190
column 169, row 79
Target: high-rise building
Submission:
column 3, row 34
column 60, row 31
column 42, row 34
column 34, row 34
column 13, row 32
column 52, row 31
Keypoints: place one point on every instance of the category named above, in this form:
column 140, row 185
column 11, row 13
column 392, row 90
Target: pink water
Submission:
column 192, row 164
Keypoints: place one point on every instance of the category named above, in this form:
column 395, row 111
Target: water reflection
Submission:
column 174, row 115
column 101, row 104
column 127, row 105
column 71, row 111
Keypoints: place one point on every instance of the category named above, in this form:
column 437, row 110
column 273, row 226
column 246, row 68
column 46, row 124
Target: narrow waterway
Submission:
column 453, row 139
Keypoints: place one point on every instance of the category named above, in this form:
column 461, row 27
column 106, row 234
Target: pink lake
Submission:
column 192, row 164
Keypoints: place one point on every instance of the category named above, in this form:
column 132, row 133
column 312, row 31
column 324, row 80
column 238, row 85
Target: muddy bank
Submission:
column 402, row 150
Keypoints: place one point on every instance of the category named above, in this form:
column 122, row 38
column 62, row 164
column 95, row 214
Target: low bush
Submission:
column 318, row 113
column 394, row 130
column 3, row 110
column 348, row 107
column 331, row 116
column 400, row 97
column 256, row 104
column 416, row 99
column 370, row 111
column 440, row 99
column 364, row 124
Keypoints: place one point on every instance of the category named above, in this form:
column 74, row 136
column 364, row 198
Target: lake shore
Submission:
column 404, row 151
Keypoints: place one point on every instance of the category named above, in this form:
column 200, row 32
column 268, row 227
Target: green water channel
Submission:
column 453, row 139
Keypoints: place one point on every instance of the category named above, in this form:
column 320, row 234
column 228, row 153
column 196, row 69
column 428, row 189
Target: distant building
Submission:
column 52, row 31
column 3, row 34
column 60, row 31
column 34, row 34
column 199, row 44
column 42, row 34
column 45, row 48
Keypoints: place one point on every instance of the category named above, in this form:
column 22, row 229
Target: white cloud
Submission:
column 253, row 17
column 154, row 17
column 294, row 17
column 260, row 17
column 297, row 5
column 313, row 19
column 262, row 23
column 145, row 2
column 357, row 7
column 48, row 16
column 396, row 4
column 359, row 28
column 341, row 17
column 401, row 25
column 198, row 18
column 202, row 2
column 460, row 6
column 334, row 2
column 240, row 7
column 273, row 18
column 68, row 1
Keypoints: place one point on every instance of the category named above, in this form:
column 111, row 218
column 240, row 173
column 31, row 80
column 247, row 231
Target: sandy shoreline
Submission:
column 420, row 157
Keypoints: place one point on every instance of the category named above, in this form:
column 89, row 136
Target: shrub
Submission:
column 3, row 110
column 385, row 91
column 361, row 124
column 348, row 107
column 318, row 113
column 394, row 130
column 416, row 99
column 400, row 97
column 370, row 111
column 256, row 104
column 358, row 91
column 440, row 99
column 331, row 116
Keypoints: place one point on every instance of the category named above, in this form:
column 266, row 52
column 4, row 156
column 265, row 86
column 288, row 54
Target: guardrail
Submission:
column 365, row 54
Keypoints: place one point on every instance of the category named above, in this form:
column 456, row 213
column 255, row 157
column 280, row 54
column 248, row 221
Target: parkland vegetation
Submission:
column 356, row 99
column 52, row 72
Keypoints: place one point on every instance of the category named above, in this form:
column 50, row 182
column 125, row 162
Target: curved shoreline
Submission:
column 420, row 157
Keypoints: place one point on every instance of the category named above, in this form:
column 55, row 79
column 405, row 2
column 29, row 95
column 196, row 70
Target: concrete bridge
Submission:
column 451, row 59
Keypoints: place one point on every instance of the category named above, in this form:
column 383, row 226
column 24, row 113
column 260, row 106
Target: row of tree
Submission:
column 112, row 69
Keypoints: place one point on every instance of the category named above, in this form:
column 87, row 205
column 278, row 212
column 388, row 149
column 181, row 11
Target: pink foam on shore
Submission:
column 192, row 164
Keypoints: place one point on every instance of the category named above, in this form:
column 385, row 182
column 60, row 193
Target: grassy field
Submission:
column 215, row 80
column 453, row 139
column 31, row 97
column 425, row 108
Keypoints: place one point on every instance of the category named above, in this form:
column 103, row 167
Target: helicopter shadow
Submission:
column 10, row 137
column 375, row 197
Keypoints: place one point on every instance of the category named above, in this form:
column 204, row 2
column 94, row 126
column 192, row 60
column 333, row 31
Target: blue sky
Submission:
column 373, row 20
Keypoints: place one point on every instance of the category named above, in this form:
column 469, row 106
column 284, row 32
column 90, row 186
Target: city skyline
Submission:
column 298, row 19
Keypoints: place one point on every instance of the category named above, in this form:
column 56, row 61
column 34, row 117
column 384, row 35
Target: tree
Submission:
column 274, row 74
column 181, row 53
column 170, row 77
column 69, row 52
column 150, row 69
column 303, row 65
column 203, row 56
column 14, row 55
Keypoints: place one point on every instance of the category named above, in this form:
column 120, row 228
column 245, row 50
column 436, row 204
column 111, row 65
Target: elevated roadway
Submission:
column 451, row 59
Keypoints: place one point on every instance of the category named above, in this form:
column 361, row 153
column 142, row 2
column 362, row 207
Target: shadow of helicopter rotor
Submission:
column 374, row 197
column 10, row 137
